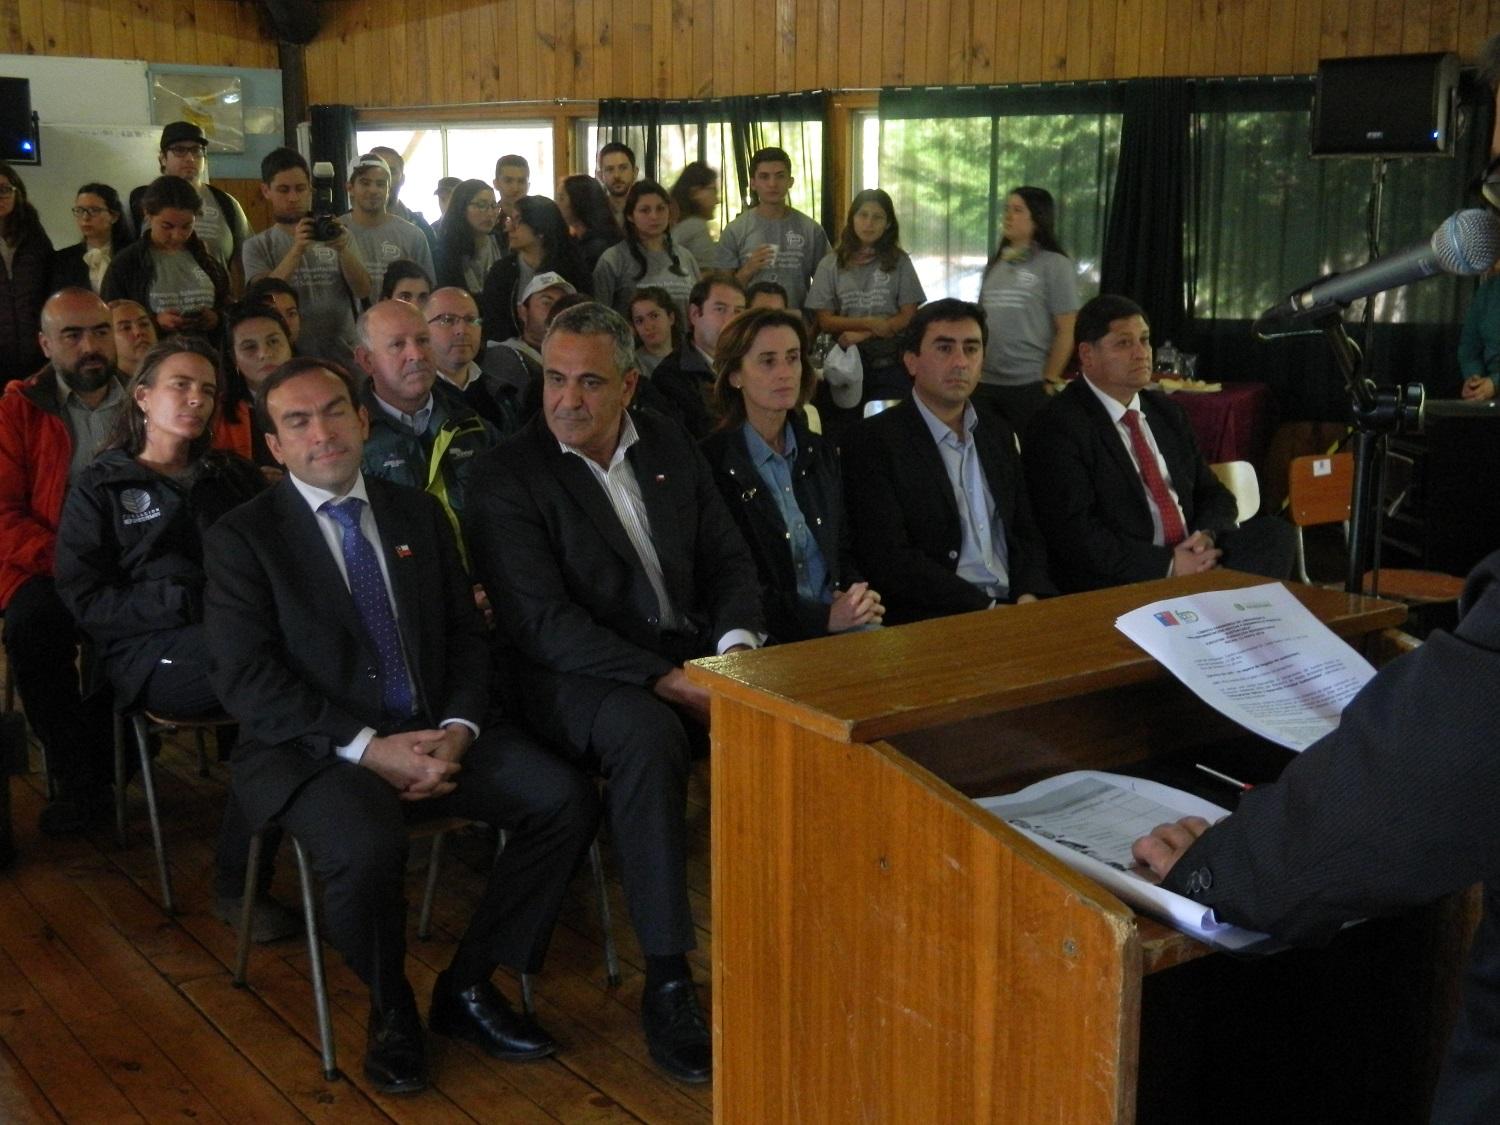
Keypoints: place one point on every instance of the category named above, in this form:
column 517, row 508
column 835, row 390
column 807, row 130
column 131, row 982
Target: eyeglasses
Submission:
column 187, row 150
column 449, row 320
column 481, row 205
column 89, row 212
column 6, row 191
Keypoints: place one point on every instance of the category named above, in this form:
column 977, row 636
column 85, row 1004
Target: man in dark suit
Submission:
column 611, row 559
column 1128, row 495
column 345, row 639
column 1395, row 808
column 685, row 378
column 938, row 507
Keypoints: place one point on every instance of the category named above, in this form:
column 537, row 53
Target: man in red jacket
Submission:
column 50, row 427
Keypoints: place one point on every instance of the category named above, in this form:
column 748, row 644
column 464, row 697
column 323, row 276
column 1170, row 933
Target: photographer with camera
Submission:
column 309, row 248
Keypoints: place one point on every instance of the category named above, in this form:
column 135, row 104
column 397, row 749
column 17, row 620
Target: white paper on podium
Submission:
column 1090, row 819
column 1257, row 655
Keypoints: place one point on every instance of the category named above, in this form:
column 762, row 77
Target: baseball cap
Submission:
column 548, row 280
column 447, row 183
column 176, row 132
column 368, row 160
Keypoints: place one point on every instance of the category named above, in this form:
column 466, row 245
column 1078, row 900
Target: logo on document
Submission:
column 1167, row 618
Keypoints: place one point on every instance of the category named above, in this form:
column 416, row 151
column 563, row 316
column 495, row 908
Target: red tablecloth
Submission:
column 1231, row 425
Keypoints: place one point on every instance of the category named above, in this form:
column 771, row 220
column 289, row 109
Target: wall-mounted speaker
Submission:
column 1388, row 105
column 19, row 143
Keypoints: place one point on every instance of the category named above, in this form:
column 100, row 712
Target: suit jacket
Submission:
column 684, row 379
column 907, row 530
column 290, row 658
column 1097, row 517
column 568, row 588
column 819, row 493
column 1395, row 808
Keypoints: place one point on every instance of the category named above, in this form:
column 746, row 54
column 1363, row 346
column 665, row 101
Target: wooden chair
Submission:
column 1319, row 491
column 143, row 725
column 1239, row 477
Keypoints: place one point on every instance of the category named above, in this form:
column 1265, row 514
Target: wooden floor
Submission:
column 112, row 1011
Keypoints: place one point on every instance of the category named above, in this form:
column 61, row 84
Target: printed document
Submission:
column 1089, row 820
column 1257, row 655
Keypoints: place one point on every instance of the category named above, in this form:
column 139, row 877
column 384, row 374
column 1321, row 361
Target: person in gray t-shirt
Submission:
column 866, row 291
column 1030, row 295
column 381, row 238
column 773, row 241
column 328, row 276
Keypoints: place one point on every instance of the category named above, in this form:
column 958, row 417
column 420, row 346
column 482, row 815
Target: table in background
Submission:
column 1233, row 424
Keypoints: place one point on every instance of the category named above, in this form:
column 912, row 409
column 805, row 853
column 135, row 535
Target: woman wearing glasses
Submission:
column 25, row 279
column 102, row 235
column 466, row 246
column 539, row 243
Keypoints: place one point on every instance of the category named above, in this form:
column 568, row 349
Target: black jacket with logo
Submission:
column 130, row 555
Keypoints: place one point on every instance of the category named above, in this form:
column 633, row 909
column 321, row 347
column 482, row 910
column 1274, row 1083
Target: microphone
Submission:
column 1466, row 244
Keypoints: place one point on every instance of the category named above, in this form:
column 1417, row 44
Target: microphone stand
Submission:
column 1378, row 414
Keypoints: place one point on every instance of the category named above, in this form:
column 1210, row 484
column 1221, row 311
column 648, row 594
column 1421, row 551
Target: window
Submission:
column 465, row 151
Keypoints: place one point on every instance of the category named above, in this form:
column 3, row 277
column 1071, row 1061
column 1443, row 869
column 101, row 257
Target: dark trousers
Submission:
column 41, row 643
column 178, row 687
column 1265, row 545
column 642, row 748
column 353, row 824
column 1469, row 1086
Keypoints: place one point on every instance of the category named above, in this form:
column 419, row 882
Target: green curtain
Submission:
column 723, row 133
column 949, row 156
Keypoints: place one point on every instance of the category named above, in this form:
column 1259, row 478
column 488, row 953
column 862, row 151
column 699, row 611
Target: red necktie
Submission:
column 1172, row 530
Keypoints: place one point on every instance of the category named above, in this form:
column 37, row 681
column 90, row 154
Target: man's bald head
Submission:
column 78, row 337
column 395, row 350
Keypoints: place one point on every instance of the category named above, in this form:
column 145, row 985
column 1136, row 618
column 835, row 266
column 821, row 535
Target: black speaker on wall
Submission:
column 19, row 143
column 1388, row 105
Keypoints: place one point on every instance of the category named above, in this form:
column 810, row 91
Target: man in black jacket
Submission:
column 611, row 560
column 685, row 377
column 1128, row 495
column 942, row 523
column 345, row 639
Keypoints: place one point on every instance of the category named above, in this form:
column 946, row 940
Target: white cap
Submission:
column 548, row 280
column 845, row 375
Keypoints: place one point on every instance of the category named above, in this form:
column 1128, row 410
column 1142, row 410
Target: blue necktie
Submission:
column 367, row 585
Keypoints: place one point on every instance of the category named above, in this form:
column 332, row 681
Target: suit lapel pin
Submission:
column 403, row 551
column 661, row 478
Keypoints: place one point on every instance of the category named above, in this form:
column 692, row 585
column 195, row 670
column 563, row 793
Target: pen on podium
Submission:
column 1242, row 786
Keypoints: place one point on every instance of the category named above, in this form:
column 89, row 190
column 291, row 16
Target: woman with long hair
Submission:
column 102, row 235
column 538, row 239
column 130, row 563
column 695, row 198
column 168, row 271
column 782, row 482
column 256, row 342
column 585, row 208
column 657, row 324
column 1030, row 295
column 866, row 290
column 25, row 279
column 466, row 246
column 647, row 256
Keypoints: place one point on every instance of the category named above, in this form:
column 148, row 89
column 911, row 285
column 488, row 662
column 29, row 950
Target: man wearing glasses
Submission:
column 456, row 326
column 222, row 224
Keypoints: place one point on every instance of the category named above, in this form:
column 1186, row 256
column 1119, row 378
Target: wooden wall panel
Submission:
column 390, row 53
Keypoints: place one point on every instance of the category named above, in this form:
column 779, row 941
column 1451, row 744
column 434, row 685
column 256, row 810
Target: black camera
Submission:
column 326, row 226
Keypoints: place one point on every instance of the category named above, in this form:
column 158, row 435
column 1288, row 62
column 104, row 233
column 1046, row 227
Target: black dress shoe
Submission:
column 395, row 1055
column 480, row 1015
column 676, row 1033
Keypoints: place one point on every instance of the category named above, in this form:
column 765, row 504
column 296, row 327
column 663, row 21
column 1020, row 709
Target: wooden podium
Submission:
column 883, row 949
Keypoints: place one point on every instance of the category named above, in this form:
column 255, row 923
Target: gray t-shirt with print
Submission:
column 1020, row 299
column 380, row 246
column 615, row 277
column 179, row 283
column 800, row 245
column 323, row 296
column 867, row 290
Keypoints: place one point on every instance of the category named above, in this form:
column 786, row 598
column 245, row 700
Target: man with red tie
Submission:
column 1123, row 494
